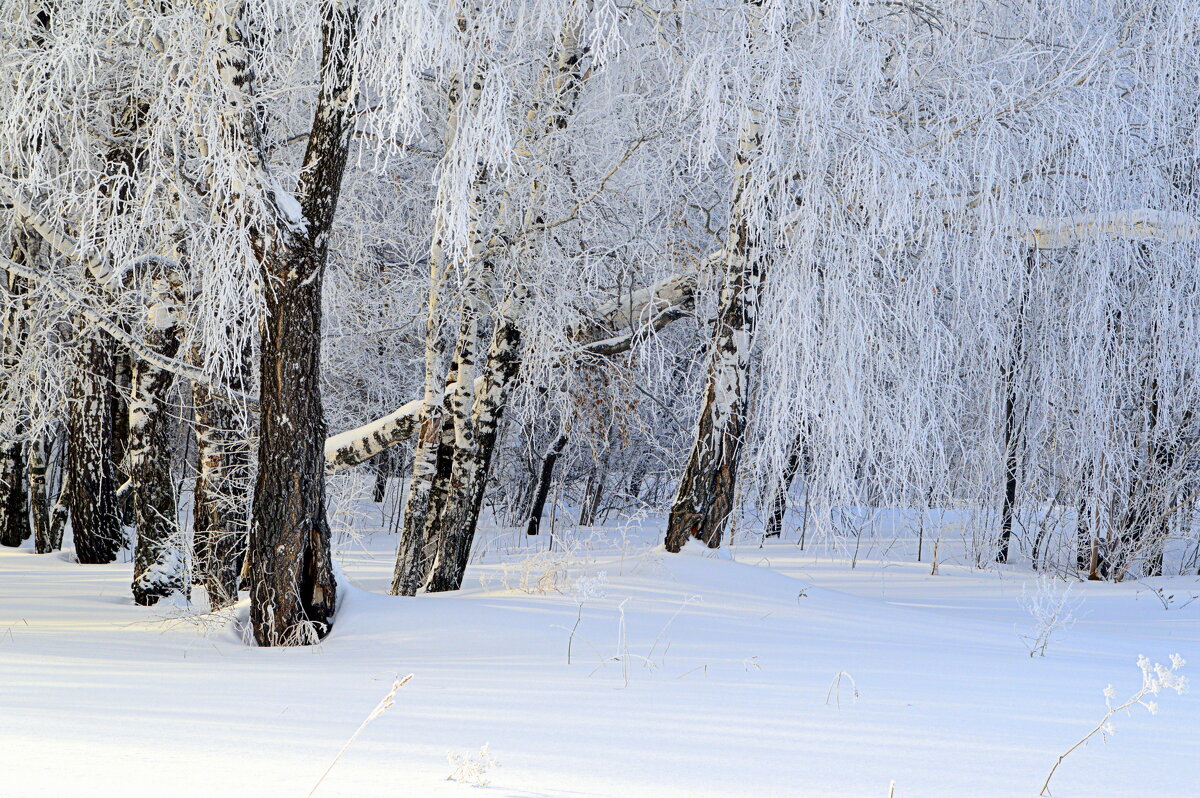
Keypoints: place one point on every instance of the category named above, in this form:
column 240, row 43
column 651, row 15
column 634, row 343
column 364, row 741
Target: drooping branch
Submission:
column 133, row 344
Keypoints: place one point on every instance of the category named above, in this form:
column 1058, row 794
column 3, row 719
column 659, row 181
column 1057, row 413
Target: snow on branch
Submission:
column 1139, row 224
column 638, row 314
column 106, row 275
column 360, row 444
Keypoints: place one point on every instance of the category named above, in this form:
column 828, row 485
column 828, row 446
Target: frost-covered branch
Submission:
column 137, row 347
column 1138, row 225
column 650, row 308
column 1155, row 679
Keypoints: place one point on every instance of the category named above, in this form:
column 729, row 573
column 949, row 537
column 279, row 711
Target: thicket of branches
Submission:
column 717, row 260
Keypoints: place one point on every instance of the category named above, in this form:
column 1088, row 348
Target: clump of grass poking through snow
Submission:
column 470, row 769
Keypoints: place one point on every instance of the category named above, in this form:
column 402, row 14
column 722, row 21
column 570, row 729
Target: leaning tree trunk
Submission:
column 158, row 557
column 91, row 499
column 292, row 588
column 704, row 498
column 460, row 515
column 538, row 507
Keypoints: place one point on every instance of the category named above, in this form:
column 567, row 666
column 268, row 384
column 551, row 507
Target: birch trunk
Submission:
column 158, row 557
column 704, row 498
column 431, row 469
column 460, row 516
column 40, row 454
column 477, row 415
column 221, row 500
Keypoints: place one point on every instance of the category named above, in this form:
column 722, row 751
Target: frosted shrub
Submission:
column 1053, row 610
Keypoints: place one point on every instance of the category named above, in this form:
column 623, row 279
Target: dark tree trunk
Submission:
column 538, row 507
column 14, row 499
column 593, row 495
column 383, row 471
column 1145, row 524
column 14, row 516
column 292, row 584
column 634, row 490
column 1083, row 532
column 158, row 560
column 122, row 387
column 1010, row 471
column 90, row 478
column 292, row 587
column 1013, row 432
column 779, row 497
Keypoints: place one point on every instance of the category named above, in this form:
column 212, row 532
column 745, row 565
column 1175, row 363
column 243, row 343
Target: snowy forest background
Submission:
column 319, row 299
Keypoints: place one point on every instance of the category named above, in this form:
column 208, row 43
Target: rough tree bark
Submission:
column 91, row 489
column 292, row 587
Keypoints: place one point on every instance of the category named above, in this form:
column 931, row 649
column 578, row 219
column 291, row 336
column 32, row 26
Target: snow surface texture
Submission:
column 749, row 671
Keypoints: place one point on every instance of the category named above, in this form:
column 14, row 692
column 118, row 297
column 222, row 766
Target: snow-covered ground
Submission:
column 749, row 671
